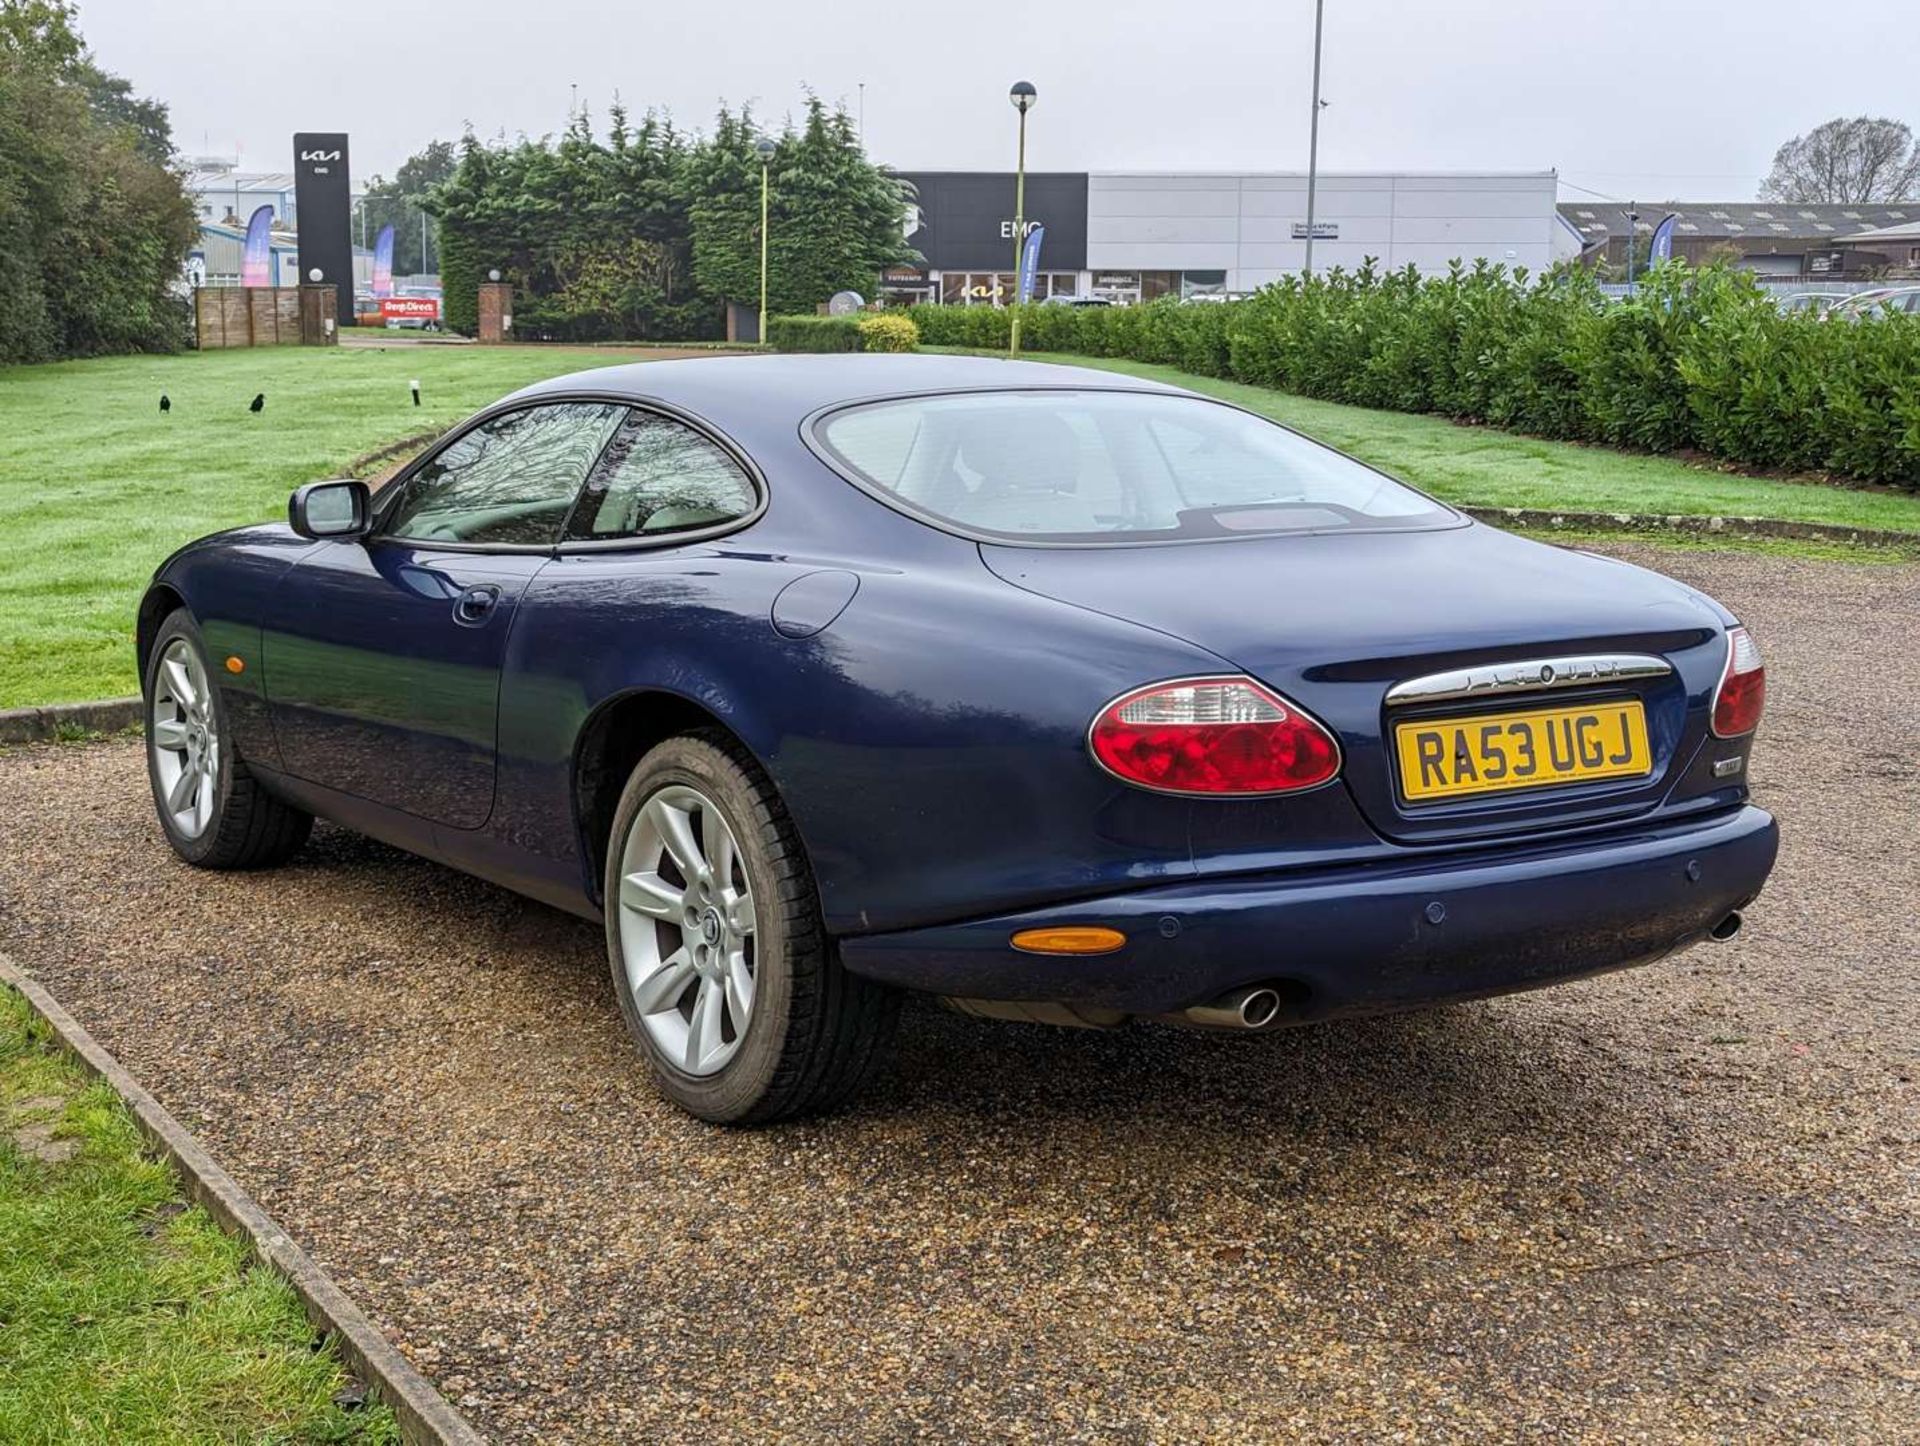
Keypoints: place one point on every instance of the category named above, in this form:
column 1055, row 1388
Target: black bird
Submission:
column 259, row 401
column 166, row 403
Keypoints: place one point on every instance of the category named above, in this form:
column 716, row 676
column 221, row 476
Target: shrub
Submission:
column 814, row 333
column 1697, row 358
column 888, row 331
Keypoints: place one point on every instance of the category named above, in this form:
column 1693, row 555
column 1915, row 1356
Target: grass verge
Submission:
column 125, row 1314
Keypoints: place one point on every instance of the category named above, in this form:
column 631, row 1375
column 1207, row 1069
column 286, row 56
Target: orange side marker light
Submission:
column 1069, row 940
column 236, row 665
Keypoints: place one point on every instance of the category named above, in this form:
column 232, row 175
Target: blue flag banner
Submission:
column 383, row 262
column 1030, row 260
column 255, row 258
column 1662, row 247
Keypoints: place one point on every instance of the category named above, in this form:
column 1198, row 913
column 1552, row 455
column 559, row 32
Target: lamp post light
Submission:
column 1023, row 95
column 763, row 148
column 1313, row 134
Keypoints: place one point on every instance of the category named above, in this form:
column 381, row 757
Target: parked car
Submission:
column 1819, row 303
column 1060, row 300
column 1887, row 301
column 1063, row 695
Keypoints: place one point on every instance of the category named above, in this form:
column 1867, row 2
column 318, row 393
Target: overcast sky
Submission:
column 1635, row 99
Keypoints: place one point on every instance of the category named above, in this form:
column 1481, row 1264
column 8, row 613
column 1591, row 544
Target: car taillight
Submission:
column 1742, row 694
column 1212, row 736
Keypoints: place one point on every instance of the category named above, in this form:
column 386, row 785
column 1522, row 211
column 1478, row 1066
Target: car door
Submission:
column 382, row 655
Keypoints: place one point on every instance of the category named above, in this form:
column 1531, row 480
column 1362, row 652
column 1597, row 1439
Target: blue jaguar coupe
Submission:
column 1064, row 696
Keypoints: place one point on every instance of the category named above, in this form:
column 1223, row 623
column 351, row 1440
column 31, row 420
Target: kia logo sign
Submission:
column 319, row 155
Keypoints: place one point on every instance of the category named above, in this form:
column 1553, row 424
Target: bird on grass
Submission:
column 166, row 402
column 259, row 401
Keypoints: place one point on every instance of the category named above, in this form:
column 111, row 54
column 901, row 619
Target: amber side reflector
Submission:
column 236, row 665
column 1069, row 941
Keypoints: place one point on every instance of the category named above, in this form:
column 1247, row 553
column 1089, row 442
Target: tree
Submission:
column 93, row 227
column 397, row 203
column 647, row 234
column 1859, row 160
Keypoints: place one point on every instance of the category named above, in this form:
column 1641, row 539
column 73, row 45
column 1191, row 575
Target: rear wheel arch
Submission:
column 610, row 745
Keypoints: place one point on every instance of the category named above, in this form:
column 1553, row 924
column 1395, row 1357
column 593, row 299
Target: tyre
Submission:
column 212, row 810
column 725, row 975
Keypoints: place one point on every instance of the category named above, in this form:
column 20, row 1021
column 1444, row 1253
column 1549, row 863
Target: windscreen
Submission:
column 1094, row 466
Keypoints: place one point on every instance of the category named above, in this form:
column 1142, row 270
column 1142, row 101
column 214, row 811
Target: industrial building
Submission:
column 1786, row 241
column 1131, row 236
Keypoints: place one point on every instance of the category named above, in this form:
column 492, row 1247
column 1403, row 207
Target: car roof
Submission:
column 749, row 393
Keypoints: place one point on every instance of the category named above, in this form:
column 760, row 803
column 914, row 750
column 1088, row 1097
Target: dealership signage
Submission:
column 963, row 220
column 1322, row 230
column 324, row 202
column 409, row 308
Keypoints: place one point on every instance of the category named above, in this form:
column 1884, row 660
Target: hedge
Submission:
column 1697, row 359
column 813, row 333
column 881, row 331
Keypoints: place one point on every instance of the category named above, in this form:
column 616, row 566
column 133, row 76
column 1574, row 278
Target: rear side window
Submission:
column 1109, row 466
column 509, row 481
column 659, row 476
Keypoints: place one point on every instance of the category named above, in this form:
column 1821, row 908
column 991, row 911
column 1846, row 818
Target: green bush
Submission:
column 814, row 333
column 888, row 331
column 1695, row 359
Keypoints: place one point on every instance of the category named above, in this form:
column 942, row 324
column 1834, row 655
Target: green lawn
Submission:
column 96, row 486
column 1481, row 467
column 124, row 1314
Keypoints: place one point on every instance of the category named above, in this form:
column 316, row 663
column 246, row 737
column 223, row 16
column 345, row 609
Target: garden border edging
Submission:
column 1697, row 524
column 424, row 1415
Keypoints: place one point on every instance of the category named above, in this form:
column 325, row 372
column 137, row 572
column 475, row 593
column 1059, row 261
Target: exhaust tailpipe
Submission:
column 1726, row 928
column 1252, row 1008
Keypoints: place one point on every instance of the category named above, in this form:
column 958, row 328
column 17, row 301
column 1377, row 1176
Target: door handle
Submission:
column 475, row 605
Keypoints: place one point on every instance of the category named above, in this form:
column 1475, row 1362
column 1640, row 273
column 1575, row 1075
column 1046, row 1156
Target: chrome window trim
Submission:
column 1529, row 675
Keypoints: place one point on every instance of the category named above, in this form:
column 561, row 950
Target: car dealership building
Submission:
column 1134, row 235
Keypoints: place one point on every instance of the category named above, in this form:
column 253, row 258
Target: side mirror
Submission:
column 331, row 511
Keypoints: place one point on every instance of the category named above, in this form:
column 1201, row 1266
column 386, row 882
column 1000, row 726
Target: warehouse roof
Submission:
column 1741, row 220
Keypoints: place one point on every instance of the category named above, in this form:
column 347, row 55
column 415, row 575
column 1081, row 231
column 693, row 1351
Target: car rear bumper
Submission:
column 1367, row 939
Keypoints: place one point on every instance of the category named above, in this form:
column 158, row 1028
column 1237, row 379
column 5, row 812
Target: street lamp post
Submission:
column 1023, row 96
column 1313, row 134
column 764, row 148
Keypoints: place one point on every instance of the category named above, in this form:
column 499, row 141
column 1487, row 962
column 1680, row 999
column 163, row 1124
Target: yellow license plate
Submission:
column 1444, row 758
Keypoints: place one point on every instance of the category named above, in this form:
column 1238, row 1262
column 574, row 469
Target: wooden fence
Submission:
column 246, row 316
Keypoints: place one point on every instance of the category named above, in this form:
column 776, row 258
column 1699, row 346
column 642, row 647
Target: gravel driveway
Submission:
column 1679, row 1202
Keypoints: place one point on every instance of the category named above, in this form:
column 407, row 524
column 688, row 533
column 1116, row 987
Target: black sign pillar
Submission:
column 323, row 201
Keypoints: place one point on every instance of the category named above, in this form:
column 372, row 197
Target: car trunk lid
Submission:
column 1334, row 621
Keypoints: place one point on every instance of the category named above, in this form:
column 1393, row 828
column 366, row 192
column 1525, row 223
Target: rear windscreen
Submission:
column 1067, row 466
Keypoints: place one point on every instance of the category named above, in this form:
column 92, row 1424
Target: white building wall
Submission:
column 1244, row 223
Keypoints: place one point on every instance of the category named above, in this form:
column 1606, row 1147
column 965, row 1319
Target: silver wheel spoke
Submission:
column 703, row 1033
column 170, row 734
column 653, row 896
column 182, row 792
column 737, row 904
column 739, row 990
column 676, row 833
column 662, row 989
column 721, row 851
column 180, row 684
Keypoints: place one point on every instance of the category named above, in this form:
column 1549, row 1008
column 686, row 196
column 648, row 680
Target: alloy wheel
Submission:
column 183, row 740
column 686, row 929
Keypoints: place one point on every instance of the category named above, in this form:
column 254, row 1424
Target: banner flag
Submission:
column 257, row 257
column 383, row 262
column 1030, row 260
column 1662, row 248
